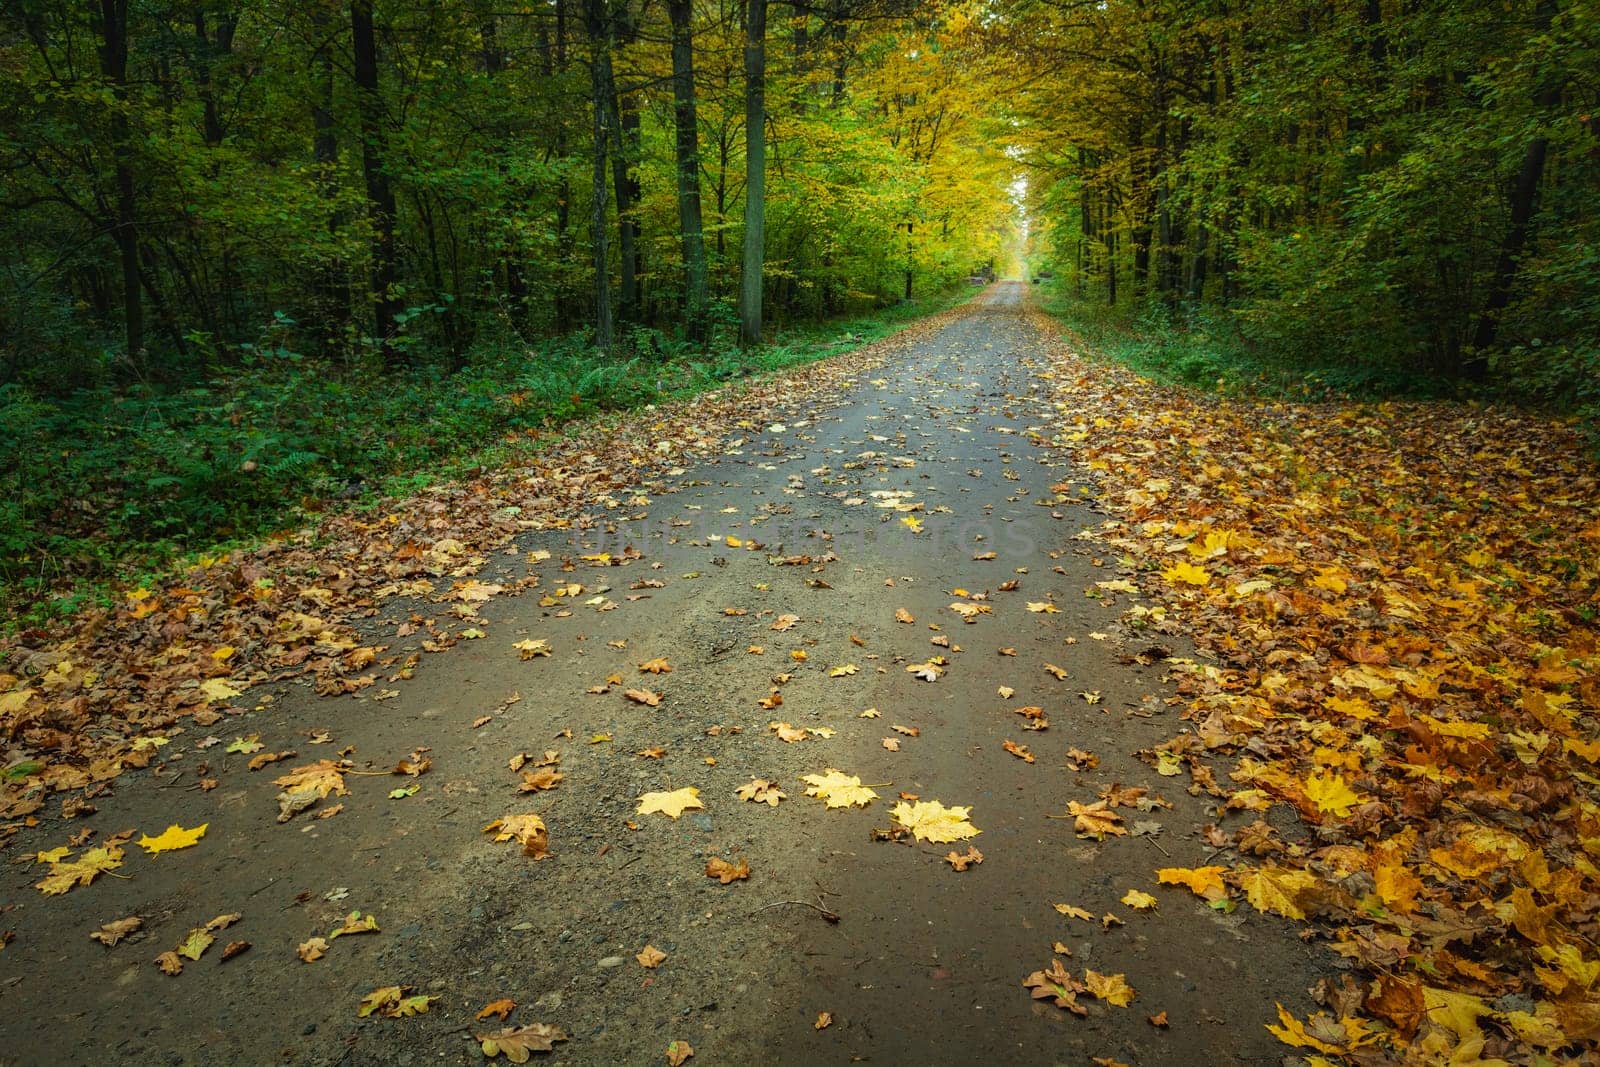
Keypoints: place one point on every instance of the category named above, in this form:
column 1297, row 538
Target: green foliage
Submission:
column 1357, row 192
column 110, row 480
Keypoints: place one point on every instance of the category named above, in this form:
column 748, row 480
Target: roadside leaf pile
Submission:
column 104, row 692
column 1396, row 605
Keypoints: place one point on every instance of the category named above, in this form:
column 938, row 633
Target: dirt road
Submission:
column 924, row 964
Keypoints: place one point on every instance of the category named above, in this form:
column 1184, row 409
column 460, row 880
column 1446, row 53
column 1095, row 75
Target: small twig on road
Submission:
column 831, row 916
column 1156, row 843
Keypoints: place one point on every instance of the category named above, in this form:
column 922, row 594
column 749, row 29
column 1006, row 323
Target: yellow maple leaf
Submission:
column 1396, row 886
column 82, row 871
column 912, row 523
column 1187, row 573
column 1331, row 793
column 1095, row 820
column 1202, row 881
column 391, row 1002
column 1072, row 911
column 1277, row 889
column 837, row 789
column 1322, row 1032
column 172, row 838
column 929, row 820
column 1136, row 898
column 1111, row 988
column 529, row 830
column 218, row 689
column 671, row 804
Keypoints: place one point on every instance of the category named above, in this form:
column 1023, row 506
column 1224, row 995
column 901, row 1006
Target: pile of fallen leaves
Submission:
column 1395, row 605
column 104, row 692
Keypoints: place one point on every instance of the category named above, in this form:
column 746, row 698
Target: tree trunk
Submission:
column 594, row 14
column 691, row 227
column 755, row 155
column 1524, row 199
column 114, row 67
column 332, row 285
column 622, row 124
column 381, row 208
column 909, row 261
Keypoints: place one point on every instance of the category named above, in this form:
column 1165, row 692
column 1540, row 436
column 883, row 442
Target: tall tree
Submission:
column 686, row 124
column 113, row 27
column 596, row 18
column 381, row 209
column 755, row 172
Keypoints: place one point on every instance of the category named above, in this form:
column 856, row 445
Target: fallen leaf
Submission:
column 520, row 1043
column 172, row 838
column 929, row 820
column 80, row 872
column 1095, row 820
column 529, row 830
column 643, row 696
column 1205, row 882
column 725, row 872
column 838, row 790
column 1111, row 988
column 1139, row 900
column 535, row 781
column 305, row 786
column 649, row 957
column 761, row 791
column 112, row 932
column 1058, row 986
column 313, row 949
column 671, row 804
column 824, row 1020
column 1019, row 751
column 503, row 1007
column 391, row 1002
column 678, row 1052
column 355, row 923
column 961, row 861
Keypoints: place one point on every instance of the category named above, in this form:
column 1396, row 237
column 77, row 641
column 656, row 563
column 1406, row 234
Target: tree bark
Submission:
column 381, row 207
column 595, row 17
column 113, row 19
column 1524, row 200
column 755, row 155
column 691, row 226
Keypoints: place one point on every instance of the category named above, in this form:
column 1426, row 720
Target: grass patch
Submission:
column 1203, row 348
column 110, row 486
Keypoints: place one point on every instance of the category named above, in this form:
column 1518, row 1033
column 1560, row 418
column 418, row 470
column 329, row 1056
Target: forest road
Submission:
column 924, row 964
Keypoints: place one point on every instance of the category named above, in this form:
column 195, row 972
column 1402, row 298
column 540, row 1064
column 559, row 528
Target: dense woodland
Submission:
column 1409, row 187
column 258, row 253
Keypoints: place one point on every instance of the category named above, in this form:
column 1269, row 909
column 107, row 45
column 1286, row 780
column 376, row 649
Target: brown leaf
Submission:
column 725, row 872
column 643, row 696
column 112, row 932
column 961, row 861
column 541, row 779
column 502, row 1007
